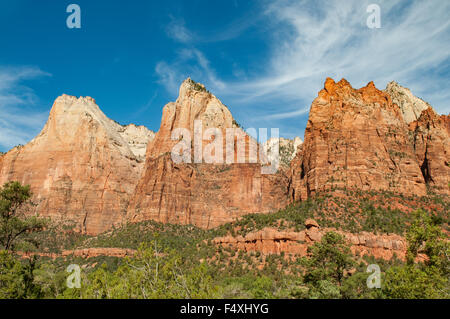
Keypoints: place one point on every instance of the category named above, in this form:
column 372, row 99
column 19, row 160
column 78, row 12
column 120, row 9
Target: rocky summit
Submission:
column 202, row 194
column 82, row 167
column 86, row 168
column 360, row 138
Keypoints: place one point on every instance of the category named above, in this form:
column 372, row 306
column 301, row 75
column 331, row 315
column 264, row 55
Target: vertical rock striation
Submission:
column 360, row 139
column 202, row 194
column 82, row 167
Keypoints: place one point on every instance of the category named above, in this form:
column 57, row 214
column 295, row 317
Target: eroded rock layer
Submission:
column 271, row 241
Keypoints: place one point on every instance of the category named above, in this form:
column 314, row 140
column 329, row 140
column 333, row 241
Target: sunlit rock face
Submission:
column 82, row 167
column 202, row 194
column 411, row 106
column 360, row 138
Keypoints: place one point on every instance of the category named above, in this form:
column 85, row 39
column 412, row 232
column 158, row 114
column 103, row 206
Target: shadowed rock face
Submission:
column 431, row 134
column 205, row 195
column 359, row 139
column 82, row 166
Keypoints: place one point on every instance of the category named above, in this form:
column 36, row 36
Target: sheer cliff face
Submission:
column 193, row 103
column 431, row 134
column 88, row 169
column 82, row 166
column 206, row 195
column 361, row 139
column 356, row 139
column 431, row 137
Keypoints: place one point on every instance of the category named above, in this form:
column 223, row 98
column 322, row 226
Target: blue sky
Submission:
column 266, row 60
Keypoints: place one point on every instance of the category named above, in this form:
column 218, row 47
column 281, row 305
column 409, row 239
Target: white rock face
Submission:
column 287, row 149
column 410, row 105
column 82, row 167
column 137, row 138
column 131, row 140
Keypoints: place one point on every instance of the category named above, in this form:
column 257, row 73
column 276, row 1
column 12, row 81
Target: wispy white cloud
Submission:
column 285, row 115
column 311, row 40
column 332, row 39
column 177, row 30
column 19, row 121
column 189, row 62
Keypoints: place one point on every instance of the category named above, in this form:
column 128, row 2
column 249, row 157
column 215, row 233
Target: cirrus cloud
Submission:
column 19, row 121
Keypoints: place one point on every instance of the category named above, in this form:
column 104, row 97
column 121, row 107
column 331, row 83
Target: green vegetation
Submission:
column 353, row 211
column 14, row 225
column 151, row 274
column 428, row 279
column 235, row 123
column 286, row 154
column 197, row 86
column 181, row 261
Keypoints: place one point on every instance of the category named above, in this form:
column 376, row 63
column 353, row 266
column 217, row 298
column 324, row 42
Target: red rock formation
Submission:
column 82, row 166
column 87, row 168
column 84, row 253
column 271, row 241
column 205, row 195
column 356, row 139
column 432, row 146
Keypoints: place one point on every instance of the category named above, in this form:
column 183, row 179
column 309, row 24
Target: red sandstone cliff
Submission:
column 359, row 138
column 205, row 195
column 87, row 168
column 82, row 166
column 432, row 147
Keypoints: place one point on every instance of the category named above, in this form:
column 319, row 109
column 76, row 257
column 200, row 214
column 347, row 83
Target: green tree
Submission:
column 425, row 235
column 428, row 279
column 330, row 260
column 14, row 224
column 50, row 280
column 16, row 278
column 11, row 277
column 151, row 274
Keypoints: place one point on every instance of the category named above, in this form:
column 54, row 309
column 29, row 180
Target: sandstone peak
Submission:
column 190, row 84
column 82, row 167
column 70, row 114
column 355, row 138
column 371, row 84
column 194, row 103
column 332, row 88
column 411, row 106
column 330, row 85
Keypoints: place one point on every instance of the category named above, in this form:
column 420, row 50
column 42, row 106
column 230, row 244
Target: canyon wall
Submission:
column 86, row 168
column 82, row 167
column 360, row 138
column 203, row 194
